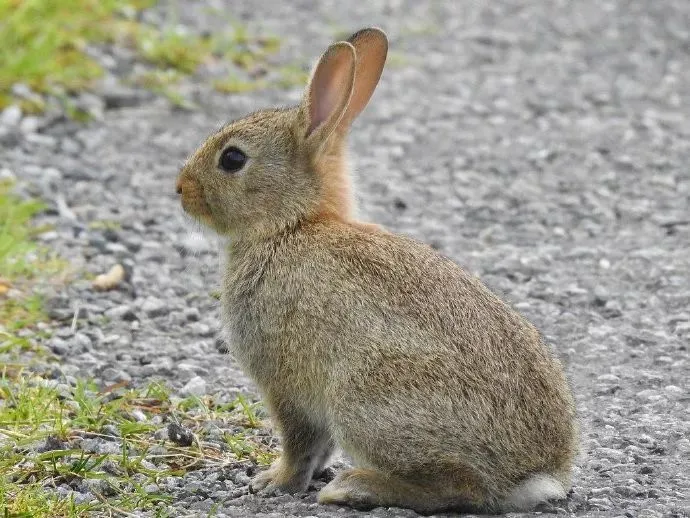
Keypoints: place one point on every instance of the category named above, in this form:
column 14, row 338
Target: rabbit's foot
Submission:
column 287, row 478
column 365, row 489
column 359, row 488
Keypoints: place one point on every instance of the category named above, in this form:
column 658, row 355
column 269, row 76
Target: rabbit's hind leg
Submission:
column 366, row 489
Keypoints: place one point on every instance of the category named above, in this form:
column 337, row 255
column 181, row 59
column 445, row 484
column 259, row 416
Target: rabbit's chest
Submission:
column 255, row 330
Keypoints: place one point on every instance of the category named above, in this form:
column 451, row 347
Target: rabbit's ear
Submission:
column 371, row 48
column 329, row 92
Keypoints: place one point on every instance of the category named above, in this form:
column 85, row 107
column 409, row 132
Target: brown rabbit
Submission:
column 443, row 395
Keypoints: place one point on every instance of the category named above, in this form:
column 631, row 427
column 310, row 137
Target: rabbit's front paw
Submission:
column 289, row 479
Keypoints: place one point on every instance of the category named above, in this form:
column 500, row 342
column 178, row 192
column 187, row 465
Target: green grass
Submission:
column 43, row 45
column 23, row 264
column 32, row 410
column 15, row 235
column 171, row 50
column 42, row 42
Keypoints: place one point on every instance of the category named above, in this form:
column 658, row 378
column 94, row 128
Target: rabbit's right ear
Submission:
column 328, row 93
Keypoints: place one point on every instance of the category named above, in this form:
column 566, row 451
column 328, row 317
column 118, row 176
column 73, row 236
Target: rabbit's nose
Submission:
column 179, row 187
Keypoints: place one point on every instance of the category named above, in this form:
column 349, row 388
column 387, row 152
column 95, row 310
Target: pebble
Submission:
column 154, row 307
column 647, row 394
column 121, row 312
column 29, row 124
column 46, row 141
column 6, row 175
column 58, row 346
column 138, row 415
column 608, row 378
column 70, row 146
column 675, row 390
column 111, row 430
column 192, row 314
column 11, row 116
column 194, row 387
column 601, row 504
column 180, row 435
column 201, row 329
column 82, row 342
column 111, row 374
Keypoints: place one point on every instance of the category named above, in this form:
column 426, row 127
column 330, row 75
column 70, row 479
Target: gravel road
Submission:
column 543, row 145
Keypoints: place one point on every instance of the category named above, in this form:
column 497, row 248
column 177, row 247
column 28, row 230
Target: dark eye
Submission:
column 232, row 160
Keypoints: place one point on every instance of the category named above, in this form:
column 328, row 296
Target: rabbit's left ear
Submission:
column 328, row 93
column 371, row 49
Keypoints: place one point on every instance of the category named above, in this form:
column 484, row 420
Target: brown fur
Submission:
column 444, row 396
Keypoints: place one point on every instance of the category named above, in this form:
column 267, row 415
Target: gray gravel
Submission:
column 543, row 145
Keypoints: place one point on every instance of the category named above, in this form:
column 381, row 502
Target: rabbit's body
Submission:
column 443, row 395
column 421, row 371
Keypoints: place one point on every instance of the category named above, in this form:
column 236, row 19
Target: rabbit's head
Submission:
column 275, row 168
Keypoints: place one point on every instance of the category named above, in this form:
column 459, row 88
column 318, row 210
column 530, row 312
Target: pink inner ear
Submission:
column 324, row 98
column 328, row 88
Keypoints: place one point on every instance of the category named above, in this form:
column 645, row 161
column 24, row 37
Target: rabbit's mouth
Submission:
column 193, row 202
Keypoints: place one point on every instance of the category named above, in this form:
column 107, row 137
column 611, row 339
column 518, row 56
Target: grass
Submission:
column 44, row 45
column 23, row 264
column 34, row 411
column 42, row 42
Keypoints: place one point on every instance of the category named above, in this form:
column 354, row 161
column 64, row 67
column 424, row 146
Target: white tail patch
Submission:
column 535, row 490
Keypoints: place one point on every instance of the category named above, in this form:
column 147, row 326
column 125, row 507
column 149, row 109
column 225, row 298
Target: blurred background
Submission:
column 542, row 144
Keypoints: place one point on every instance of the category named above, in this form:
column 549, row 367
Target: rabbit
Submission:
column 443, row 396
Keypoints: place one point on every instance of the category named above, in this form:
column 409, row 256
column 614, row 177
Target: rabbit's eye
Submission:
column 232, row 160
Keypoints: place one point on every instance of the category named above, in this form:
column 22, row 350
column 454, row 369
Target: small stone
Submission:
column 151, row 488
column 221, row 345
column 157, row 451
column 117, row 96
column 100, row 486
column 11, row 116
column 121, row 312
column 52, row 443
column 601, row 504
column 58, row 346
column 111, row 431
column 241, row 478
column 682, row 446
column 154, row 307
column 47, row 237
column 611, row 378
column 138, row 415
column 610, row 453
column 179, row 435
column 201, row 329
column 192, row 314
column 194, row 387
column 47, row 141
column 70, row 146
column 29, row 124
column 83, row 498
column 111, row 374
column 646, row 394
column 6, row 175
column 161, row 434
column 82, row 342
column 674, row 390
